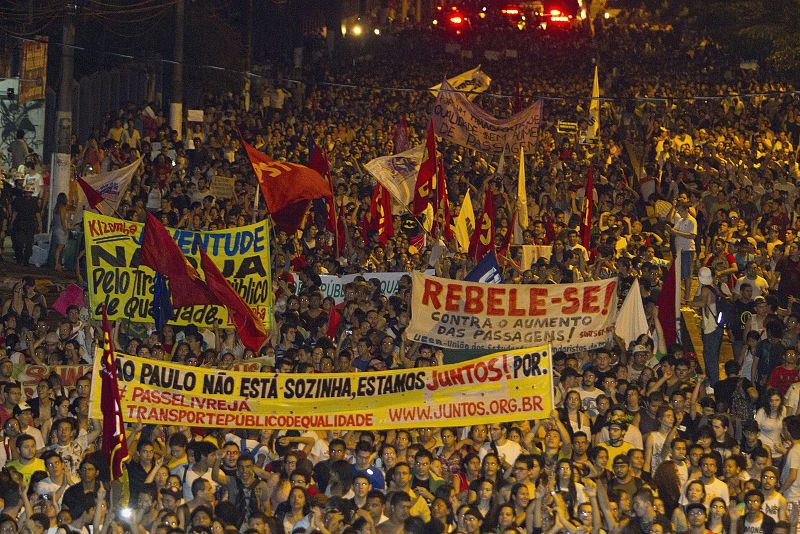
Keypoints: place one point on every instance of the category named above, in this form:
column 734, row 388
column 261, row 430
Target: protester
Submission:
column 643, row 438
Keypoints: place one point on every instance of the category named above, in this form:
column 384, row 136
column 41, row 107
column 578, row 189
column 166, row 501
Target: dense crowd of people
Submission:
column 645, row 438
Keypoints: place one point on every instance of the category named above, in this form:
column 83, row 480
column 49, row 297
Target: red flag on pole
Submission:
column 92, row 195
column 482, row 240
column 586, row 221
column 667, row 309
column 287, row 187
column 505, row 248
column 248, row 326
column 333, row 323
column 380, row 212
column 115, row 446
column 424, row 183
column 401, row 136
column 441, row 220
column 161, row 253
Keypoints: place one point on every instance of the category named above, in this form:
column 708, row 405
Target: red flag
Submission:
column 424, row 183
column 401, row 136
column 249, row 327
column 287, row 188
column 667, row 310
column 517, row 97
column 161, row 253
column 503, row 254
column 482, row 240
column 380, row 213
column 331, row 225
column 319, row 162
column 441, row 216
column 333, row 323
column 586, row 221
column 92, row 195
column 115, row 446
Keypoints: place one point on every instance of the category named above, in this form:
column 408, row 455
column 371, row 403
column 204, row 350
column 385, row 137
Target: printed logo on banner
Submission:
column 506, row 386
column 467, row 315
column 116, row 279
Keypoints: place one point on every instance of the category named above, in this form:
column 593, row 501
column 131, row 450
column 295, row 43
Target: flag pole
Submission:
column 255, row 203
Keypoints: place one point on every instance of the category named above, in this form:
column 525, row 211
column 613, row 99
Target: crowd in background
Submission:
column 645, row 438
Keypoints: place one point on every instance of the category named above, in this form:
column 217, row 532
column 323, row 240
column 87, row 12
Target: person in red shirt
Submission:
column 12, row 395
column 787, row 374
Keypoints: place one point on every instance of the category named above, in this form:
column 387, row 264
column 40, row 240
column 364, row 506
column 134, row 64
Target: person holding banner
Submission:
column 390, row 358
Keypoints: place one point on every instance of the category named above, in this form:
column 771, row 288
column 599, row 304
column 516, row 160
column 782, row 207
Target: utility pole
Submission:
column 176, row 104
column 248, row 55
column 60, row 164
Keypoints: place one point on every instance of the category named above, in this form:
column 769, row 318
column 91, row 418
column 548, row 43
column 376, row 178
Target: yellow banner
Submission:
column 33, row 71
column 506, row 386
column 115, row 277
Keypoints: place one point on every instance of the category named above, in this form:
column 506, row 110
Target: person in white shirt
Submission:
column 507, row 450
column 24, row 414
column 759, row 283
column 790, row 476
column 714, row 486
column 200, row 452
column 33, row 178
column 775, row 504
column 684, row 228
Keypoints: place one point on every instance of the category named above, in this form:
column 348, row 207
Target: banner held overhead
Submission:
column 506, row 386
column 456, row 314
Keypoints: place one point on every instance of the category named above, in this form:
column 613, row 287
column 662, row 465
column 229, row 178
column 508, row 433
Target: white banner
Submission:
column 461, row 122
column 473, row 80
column 398, row 173
column 467, row 315
column 333, row 286
column 112, row 185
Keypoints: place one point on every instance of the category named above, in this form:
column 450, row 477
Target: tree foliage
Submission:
column 768, row 30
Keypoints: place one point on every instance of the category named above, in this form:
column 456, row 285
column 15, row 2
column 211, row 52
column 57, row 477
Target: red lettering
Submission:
column 137, row 392
column 453, row 297
column 494, row 301
column 571, row 296
column 537, row 304
column 473, row 302
column 513, row 309
column 537, row 402
column 430, row 293
column 610, row 290
column 590, row 298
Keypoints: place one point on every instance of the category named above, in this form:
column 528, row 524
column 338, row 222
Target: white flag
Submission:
column 631, row 320
column 112, row 185
column 398, row 173
column 472, row 80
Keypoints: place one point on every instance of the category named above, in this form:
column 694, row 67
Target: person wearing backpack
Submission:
column 712, row 322
column 736, row 395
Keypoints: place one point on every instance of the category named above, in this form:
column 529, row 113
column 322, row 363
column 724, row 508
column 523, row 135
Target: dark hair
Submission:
column 22, row 438
column 792, row 424
column 177, row 440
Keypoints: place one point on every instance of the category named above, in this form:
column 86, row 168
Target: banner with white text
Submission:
column 114, row 276
column 466, row 315
column 506, row 386
column 464, row 123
